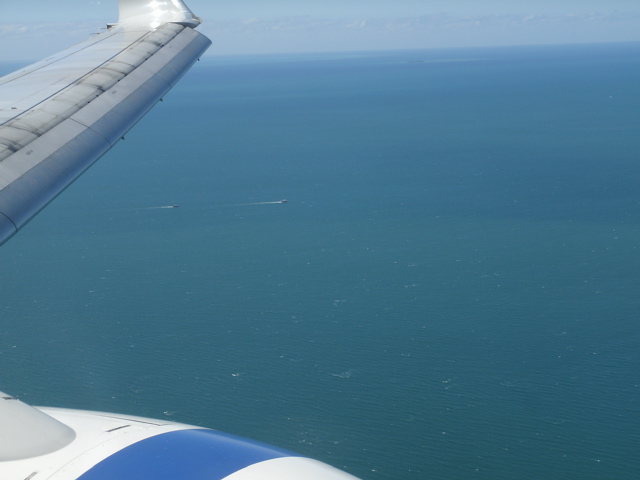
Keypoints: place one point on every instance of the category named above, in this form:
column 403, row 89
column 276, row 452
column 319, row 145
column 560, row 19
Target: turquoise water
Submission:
column 451, row 290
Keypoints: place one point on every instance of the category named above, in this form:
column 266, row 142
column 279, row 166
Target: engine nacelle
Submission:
column 62, row 444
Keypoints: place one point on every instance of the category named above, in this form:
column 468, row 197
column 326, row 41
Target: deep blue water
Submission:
column 451, row 290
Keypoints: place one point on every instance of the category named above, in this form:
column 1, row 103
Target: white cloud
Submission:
column 306, row 33
column 32, row 41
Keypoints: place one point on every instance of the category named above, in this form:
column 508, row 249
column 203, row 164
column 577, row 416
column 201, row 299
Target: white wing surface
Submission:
column 58, row 116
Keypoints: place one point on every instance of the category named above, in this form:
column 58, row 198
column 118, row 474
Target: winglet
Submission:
column 153, row 13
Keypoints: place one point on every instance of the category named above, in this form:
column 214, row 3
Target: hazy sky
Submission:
column 31, row 29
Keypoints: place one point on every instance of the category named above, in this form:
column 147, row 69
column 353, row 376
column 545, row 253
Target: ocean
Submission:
column 449, row 292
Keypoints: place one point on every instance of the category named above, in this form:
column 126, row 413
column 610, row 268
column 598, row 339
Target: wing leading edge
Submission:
column 60, row 115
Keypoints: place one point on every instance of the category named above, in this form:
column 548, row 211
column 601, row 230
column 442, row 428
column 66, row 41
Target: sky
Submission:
column 32, row 29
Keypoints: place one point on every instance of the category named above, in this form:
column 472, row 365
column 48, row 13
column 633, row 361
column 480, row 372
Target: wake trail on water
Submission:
column 277, row 202
column 261, row 203
column 157, row 208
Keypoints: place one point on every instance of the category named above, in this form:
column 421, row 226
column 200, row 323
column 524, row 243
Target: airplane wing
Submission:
column 58, row 116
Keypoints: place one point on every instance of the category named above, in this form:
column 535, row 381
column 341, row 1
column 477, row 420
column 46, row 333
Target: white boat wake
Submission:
column 175, row 205
column 284, row 200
